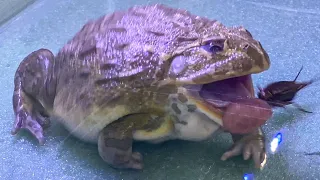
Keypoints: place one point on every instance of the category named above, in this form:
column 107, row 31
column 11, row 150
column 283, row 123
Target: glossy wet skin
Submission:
column 131, row 62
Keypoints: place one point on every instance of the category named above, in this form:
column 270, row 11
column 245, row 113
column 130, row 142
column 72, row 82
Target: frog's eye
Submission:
column 213, row 47
column 178, row 65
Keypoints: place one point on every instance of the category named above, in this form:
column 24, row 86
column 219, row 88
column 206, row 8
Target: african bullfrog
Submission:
column 149, row 73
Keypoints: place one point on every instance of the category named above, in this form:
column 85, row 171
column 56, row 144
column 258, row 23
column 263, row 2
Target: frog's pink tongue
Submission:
column 242, row 112
column 220, row 94
column 245, row 115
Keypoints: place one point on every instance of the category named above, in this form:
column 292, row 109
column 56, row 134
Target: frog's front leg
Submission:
column 115, row 147
column 249, row 145
column 33, row 84
column 116, row 139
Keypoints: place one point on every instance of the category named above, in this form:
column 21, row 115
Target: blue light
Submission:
column 279, row 137
column 276, row 142
column 248, row 177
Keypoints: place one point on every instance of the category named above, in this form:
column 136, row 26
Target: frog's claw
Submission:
column 24, row 120
column 251, row 145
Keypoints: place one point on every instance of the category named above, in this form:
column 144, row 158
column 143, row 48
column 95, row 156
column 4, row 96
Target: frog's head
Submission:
column 215, row 69
column 218, row 56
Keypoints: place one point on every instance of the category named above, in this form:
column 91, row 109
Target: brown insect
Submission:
column 282, row 93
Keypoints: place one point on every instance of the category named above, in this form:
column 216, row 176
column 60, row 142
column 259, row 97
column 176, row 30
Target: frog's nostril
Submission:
column 246, row 46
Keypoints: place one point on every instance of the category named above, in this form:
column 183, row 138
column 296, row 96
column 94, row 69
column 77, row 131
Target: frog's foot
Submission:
column 33, row 84
column 115, row 147
column 251, row 145
column 34, row 122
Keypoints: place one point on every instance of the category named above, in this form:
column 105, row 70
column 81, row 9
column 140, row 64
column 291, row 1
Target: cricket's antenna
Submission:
column 298, row 74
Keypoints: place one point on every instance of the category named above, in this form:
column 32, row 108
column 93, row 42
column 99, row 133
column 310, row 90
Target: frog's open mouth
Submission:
column 218, row 94
column 211, row 98
column 221, row 92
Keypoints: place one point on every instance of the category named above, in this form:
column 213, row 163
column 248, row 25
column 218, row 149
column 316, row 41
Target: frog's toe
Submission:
column 136, row 162
column 137, row 156
column 35, row 128
column 129, row 161
column 25, row 121
column 234, row 151
column 250, row 146
column 121, row 158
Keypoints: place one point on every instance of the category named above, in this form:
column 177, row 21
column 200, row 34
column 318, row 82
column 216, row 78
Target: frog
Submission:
column 150, row 73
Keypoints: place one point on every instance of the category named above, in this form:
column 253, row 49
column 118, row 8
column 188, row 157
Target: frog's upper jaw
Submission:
column 232, row 53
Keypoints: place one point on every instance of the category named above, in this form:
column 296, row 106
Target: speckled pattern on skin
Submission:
column 289, row 31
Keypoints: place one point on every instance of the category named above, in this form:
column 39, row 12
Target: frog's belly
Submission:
column 191, row 126
column 88, row 126
column 194, row 126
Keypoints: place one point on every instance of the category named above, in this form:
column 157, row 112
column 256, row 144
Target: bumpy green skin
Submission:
column 118, row 76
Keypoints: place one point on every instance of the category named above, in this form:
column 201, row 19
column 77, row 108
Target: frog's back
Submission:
column 125, row 46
